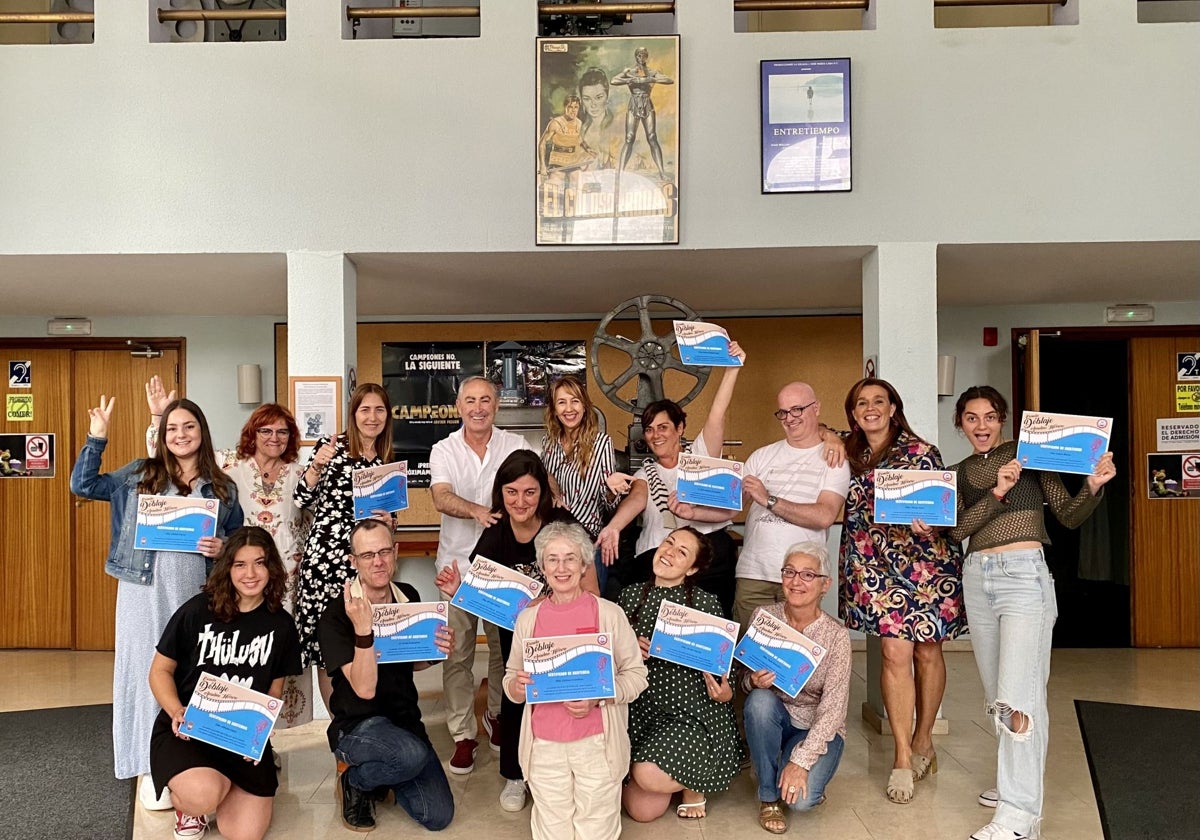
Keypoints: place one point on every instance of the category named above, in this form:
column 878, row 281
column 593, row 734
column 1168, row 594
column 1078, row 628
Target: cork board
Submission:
column 825, row 351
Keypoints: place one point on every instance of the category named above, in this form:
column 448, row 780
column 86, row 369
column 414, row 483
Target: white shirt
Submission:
column 453, row 462
column 797, row 475
column 653, row 529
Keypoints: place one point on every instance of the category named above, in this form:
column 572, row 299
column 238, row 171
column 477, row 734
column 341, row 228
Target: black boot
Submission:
column 358, row 807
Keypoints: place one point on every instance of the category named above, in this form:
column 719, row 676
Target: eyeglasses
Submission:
column 382, row 554
column 266, row 433
column 795, row 412
column 566, row 560
column 806, row 575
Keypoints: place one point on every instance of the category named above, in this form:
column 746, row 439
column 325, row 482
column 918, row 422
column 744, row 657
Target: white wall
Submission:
column 1022, row 134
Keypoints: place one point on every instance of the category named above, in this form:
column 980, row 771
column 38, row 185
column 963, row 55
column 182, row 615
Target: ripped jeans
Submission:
column 1011, row 608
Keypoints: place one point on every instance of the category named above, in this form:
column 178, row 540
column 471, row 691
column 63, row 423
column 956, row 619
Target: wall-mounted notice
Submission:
column 1178, row 434
column 1173, row 475
column 1187, row 398
column 805, row 125
column 1187, row 367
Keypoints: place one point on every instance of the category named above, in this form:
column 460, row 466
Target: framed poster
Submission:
column 805, row 121
column 316, row 403
column 607, row 140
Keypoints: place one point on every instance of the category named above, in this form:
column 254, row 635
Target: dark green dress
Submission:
column 674, row 723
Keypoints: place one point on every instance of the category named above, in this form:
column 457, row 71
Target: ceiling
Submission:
column 586, row 283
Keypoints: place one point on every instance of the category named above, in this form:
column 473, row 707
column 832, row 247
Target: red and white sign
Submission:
column 1191, row 472
column 37, row 452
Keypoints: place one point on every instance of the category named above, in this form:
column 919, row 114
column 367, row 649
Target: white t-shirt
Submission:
column 453, row 462
column 653, row 529
column 797, row 475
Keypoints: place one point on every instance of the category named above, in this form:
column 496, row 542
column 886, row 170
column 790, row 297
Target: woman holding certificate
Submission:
column 266, row 467
column 796, row 742
column 1010, row 597
column 681, row 729
column 326, row 489
column 896, row 583
column 235, row 630
column 152, row 584
column 574, row 753
column 652, row 492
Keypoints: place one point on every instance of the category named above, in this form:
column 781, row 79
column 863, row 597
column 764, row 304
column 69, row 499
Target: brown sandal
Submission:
column 772, row 817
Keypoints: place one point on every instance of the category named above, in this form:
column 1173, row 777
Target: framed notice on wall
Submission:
column 316, row 403
column 805, row 125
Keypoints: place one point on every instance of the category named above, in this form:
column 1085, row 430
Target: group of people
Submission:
column 287, row 542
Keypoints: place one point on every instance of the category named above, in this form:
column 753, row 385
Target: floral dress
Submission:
column 324, row 568
column 892, row 582
column 674, row 723
column 271, row 509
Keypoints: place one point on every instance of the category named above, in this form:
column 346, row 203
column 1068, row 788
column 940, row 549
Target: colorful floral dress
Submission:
column 892, row 582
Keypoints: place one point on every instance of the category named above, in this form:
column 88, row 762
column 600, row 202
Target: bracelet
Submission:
column 364, row 641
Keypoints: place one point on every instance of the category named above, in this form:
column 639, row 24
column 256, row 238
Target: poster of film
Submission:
column 805, row 125
column 608, row 140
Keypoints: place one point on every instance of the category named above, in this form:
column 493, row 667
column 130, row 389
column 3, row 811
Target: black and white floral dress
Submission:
column 324, row 567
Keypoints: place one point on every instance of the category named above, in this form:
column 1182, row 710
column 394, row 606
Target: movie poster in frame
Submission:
column 805, row 125
column 607, row 140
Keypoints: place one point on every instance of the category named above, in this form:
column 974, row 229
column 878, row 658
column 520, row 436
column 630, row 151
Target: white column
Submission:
column 900, row 331
column 322, row 310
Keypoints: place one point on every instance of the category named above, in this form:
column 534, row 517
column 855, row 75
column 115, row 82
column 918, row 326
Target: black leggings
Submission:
column 510, row 719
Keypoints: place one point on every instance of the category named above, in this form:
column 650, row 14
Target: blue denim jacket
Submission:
column 119, row 489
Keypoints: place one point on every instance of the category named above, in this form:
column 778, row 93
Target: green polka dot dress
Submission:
column 674, row 723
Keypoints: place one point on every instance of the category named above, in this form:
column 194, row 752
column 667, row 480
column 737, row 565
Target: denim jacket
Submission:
column 119, row 489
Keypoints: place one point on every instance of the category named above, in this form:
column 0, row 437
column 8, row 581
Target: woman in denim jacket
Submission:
column 152, row 585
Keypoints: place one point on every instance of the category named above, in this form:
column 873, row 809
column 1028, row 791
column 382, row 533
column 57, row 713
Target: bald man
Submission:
column 795, row 496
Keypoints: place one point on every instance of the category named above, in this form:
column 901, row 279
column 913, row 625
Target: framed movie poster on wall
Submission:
column 607, row 161
column 805, row 125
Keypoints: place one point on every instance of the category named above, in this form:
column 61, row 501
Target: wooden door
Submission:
column 36, row 512
column 114, row 373
column 1165, row 566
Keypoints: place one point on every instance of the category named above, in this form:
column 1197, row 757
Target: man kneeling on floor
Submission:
column 376, row 733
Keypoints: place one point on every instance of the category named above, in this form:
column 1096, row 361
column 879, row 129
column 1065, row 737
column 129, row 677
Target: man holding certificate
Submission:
column 795, row 495
column 376, row 732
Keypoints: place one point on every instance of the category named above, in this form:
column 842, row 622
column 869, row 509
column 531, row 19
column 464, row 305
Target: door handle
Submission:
column 81, row 502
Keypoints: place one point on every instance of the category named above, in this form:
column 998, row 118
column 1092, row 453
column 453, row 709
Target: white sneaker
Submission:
column 512, row 798
column 994, row 831
column 990, row 798
column 149, row 800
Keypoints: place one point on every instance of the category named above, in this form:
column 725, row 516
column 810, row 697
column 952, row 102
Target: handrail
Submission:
column 173, row 15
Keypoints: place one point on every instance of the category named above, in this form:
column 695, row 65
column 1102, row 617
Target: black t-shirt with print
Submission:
column 499, row 544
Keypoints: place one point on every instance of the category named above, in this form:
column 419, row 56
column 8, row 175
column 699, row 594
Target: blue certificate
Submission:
column 495, row 593
column 406, row 632
column 704, row 344
column 173, row 523
column 1066, row 443
column 230, row 716
column 693, row 638
column 771, row 644
column 904, row 495
column 380, row 488
column 709, row 481
column 569, row 668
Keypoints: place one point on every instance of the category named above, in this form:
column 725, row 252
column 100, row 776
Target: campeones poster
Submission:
column 805, row 125
column 607, row 149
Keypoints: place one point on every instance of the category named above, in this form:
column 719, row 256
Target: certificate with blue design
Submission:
column 772, row 644
column 380, row 488
column 230, row 716
column 704, row 344
column 1066, row 443
column 406, row 632
column 904, row 495
column 713, row 482
column 173, row 523
column 693, row 638
column 565, row 668
column 495, row 593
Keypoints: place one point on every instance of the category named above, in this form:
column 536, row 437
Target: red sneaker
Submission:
column 491, row 725
column 463, row 760
column 188, row 827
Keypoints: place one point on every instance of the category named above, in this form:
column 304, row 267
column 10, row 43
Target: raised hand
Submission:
column 157, row 397
column 99, row 418
column 1007, row 476
column 448, row 579
column 1105, row 470
column 358, row 611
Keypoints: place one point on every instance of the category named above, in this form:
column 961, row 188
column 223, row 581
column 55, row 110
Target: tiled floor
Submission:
column 944, row 807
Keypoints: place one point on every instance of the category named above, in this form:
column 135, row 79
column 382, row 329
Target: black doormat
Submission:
column 1145, row 764
column 58, row 776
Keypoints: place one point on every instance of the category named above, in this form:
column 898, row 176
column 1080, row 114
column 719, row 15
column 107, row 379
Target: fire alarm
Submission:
column 990, row 337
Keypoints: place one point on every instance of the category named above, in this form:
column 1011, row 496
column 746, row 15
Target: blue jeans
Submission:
column 771, row 736
column 1011, row 608
column 381, row 754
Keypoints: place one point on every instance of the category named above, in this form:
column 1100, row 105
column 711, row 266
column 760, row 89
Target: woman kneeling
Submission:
column 235, row 629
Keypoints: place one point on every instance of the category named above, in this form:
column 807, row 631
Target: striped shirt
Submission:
column 585, row 496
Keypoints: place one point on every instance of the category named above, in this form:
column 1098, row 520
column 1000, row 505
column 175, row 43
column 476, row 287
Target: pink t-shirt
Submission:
column 551, row 721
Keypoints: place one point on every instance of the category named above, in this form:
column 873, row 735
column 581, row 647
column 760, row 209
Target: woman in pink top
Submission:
column 582, row 746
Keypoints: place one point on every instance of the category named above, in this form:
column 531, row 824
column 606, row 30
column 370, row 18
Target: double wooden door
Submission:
column 52, row 554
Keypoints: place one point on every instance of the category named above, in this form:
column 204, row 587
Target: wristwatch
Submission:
column 771, row 502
